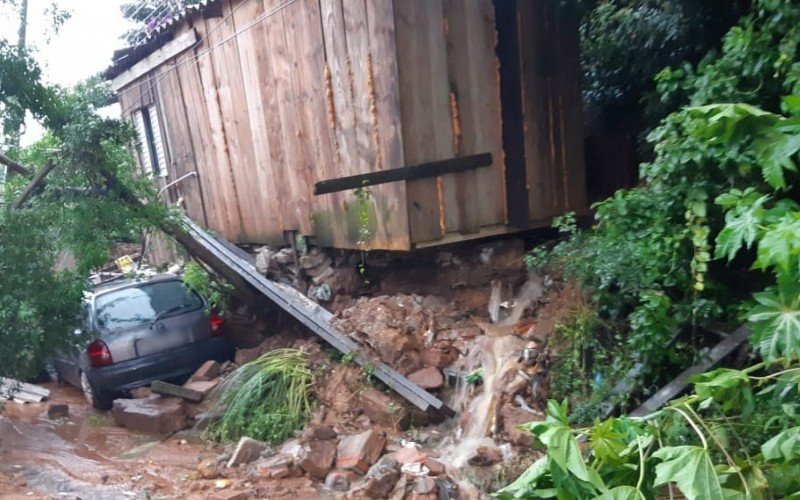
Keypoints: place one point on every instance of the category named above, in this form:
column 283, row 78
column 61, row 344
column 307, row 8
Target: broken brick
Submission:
column 409, row 454
column 359, row 451
column 316, row 458
column 340, row 480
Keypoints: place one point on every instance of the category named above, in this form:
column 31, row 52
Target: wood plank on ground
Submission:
column 681, row 382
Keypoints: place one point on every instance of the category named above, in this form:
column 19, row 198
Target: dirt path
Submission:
column 87, row 456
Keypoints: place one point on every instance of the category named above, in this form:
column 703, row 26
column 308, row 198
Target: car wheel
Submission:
column 99, row 399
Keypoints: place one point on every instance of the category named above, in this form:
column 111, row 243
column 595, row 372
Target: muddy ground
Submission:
column 87, row 456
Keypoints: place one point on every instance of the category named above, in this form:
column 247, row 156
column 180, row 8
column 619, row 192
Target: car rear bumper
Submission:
column 172, row 365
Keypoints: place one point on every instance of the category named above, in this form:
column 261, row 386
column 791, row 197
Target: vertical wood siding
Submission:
column 273, row 100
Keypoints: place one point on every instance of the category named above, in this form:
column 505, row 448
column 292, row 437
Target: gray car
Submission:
column 141, row 331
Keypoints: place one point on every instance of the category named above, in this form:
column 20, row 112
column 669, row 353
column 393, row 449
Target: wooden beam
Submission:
column 677, row 386
column 421, row 171
column 168, row 51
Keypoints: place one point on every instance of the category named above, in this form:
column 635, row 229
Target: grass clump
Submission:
column 267, row 399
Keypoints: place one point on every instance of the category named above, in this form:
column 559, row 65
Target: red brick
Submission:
column 434, row 466
column 359, row 451
column 410, row 454
column 228, row 495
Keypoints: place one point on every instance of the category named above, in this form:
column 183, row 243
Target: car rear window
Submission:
column 140, row 305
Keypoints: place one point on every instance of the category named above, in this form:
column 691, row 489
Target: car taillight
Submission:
column 216, row 324
column 99, row 355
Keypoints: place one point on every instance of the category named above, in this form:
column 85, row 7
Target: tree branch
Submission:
column 16, row 167
column 33, row 185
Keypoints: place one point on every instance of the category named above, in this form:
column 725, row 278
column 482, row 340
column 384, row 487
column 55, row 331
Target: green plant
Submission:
column 363, row 196
column 736, row 437
column 267, row 399
column 213, row 290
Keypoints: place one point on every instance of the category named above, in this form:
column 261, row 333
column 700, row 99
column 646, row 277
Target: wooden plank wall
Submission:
column 553, row 124
column 450, row 102
column 278, row 96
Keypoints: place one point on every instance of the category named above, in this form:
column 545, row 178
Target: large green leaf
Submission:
column 607, row 444
column 785, row 447
column 622, row 493
column 780, row 244
column 776, row 320
column 563, row 449
column 742, row 221
column 730, row 388
column 527, row 484
column 691, row 469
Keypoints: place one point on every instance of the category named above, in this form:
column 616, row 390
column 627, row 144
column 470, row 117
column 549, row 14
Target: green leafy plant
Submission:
column 215, row 291
column 267, row 399
column 735, row 437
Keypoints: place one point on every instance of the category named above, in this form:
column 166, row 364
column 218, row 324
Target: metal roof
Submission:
column 162, row 33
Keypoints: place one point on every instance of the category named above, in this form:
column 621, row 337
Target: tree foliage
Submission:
column 80, row 209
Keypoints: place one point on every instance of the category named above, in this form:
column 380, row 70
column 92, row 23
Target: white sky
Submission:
column 83, row 46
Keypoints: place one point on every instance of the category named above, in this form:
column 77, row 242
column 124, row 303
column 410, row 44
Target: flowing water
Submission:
column 495, row 354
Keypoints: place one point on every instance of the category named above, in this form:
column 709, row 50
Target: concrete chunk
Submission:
column 154, row 415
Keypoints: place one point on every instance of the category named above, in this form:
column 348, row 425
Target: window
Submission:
column 151, row 147
column 140, row 305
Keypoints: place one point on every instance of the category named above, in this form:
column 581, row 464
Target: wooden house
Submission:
column 385, row 124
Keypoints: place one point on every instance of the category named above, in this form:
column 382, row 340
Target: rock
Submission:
column 56, row 411
column 208, row 469
column 207, row 372
column 340, row 480
column 247, row 450
column 384, row 410
column 485, row 456
column 316, row 458
column 324, row 275
column 359, row 451
column 438, row 357
column 202, row 387
column 154, row 415
column 276, row 467
column 141, row 393
column 435, row 467
column 292, row 448
column 228, row 495
column 381, row 478
column 317, row 433
column 428, row 378
column 409, row 362
column 410, row 454
column 244, row 356
column 313, row 260
column 510, row 417
column 167, row 389
column 425, row 485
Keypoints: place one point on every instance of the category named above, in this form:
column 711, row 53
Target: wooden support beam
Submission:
column 677, row 386
column 35, row 183
column 156, row 59
column 421, row 171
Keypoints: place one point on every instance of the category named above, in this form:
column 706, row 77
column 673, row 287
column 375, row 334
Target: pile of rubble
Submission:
column 165, row 408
